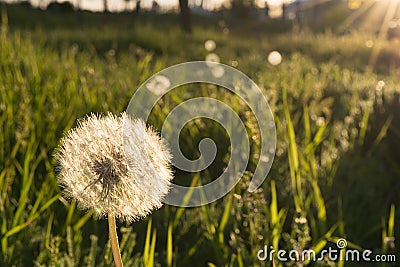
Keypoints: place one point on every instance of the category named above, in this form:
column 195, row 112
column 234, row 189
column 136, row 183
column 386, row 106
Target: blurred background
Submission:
column 329, row 68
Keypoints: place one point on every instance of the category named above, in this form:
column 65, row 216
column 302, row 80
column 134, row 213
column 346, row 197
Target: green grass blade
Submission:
column 71, row 209
column 274, row 216
column 82, row 221
column 383, row 131
column 48, row 230
column 146, row 249
column 307, row 125
column 293, row 156
column 391, row 221
column 169, row 245
column 364, row 125
column 320, row 204
column 152, row 249
column 225, row 218
column 186, row 199
column 91, row 259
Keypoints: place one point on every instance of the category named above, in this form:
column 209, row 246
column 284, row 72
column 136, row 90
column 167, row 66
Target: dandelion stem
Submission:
column 112, row 227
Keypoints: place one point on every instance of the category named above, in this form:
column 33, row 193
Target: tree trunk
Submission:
column 137, row 9
column 185, row 16
column 105, row 4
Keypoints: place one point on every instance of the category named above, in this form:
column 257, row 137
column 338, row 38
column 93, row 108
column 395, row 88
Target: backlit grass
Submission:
column 335, row 174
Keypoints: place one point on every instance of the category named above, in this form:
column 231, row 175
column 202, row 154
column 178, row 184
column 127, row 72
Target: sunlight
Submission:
column 392, row 6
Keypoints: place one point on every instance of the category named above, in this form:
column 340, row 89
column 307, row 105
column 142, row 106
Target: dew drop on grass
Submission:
column 369, row 43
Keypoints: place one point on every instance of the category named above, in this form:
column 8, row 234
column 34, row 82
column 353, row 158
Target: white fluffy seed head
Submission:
column 114, row 166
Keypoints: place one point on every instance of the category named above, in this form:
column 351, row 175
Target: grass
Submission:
column 335, row 173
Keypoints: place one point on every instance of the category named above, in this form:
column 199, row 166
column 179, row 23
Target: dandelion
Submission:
column 116, row 167
column 320, row 121
column 210, row 45
column 212, row 57
column 217, row 71
column 159, row 84
column 274, row 58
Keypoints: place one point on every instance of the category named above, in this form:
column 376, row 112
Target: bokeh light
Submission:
column 212, row 57
column 369, row 43
column 210, row 45
column 275, row 58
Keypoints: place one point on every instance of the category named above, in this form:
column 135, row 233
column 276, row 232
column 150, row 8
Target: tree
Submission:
column 137, row 8
column 242, row 7
column 105, row 4
column 185, row 16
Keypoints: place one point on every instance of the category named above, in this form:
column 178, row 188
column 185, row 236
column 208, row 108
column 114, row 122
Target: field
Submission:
column 335, row 98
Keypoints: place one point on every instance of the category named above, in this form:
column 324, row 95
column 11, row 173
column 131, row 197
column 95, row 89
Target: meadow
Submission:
column 336, row 169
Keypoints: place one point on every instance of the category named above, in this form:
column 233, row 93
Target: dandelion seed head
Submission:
column 212, row 57
column 274, row 58
column 115, row 166
column 210, row 45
